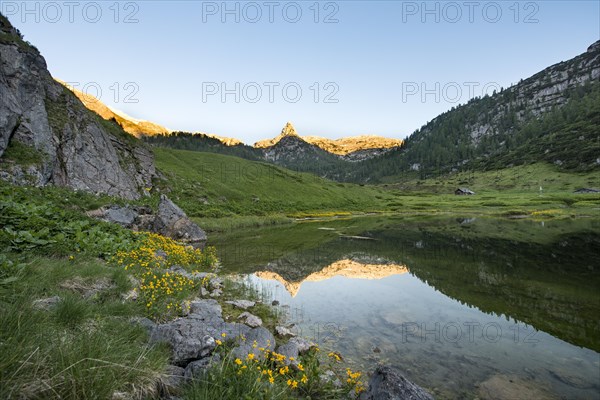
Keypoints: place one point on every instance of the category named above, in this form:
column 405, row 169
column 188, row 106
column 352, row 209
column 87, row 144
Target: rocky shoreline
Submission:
column 194, row 337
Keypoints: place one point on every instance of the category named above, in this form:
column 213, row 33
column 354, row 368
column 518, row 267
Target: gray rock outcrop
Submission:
column 253, row 341
column 243, row 304
column 169, row 221
column 193, row 337
column 290, row 351
column 67, row 144
column 250, row 319
column 387, row 383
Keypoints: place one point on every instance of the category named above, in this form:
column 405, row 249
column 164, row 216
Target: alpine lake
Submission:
column 467, row 307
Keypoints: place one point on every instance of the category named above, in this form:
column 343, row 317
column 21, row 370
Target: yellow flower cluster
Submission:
column 163, row 288
column 161, row 291
column 158, row 251
column 353, row 380
column 335, row 356
column 272, row 367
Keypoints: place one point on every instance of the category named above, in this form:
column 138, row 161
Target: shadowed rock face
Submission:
column 77, row 148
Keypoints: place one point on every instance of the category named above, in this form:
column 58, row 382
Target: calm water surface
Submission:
column 466, row 307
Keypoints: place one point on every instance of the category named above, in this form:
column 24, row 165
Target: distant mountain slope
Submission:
column 129, row 124
column 549, row 117
column 288, row 130
column 204, row 143
column 288, row 150
column 486, row 127
column 352, row 148
column 351, row 144
column 47, row 136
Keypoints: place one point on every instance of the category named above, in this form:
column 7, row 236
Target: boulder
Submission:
column 250, row 319
column 170, row 383
column 302, row 344
column 282, row 331
column 330, row 377
column 289, row 350
column 252, row 342
column 387, row 383
column 193, row 337
column 197, row 369
column 46, row 303
column 120, row 215
column 171, row 221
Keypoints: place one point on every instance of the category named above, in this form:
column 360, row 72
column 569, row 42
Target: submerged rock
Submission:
column 504, row 387
column 387, row 383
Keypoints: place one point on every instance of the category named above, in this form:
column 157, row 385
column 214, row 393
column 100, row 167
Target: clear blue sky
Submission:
column 379, row 56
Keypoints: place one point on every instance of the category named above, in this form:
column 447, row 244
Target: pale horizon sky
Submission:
column 378, row 67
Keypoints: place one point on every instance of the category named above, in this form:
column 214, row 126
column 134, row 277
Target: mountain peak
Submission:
column 288, row 130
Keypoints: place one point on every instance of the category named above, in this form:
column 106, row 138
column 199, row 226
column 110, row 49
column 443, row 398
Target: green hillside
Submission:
column 215, row 185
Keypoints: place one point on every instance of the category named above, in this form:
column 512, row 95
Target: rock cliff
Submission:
column 47, row 136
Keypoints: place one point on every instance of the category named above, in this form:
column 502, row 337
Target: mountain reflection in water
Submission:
column 346, row 268
column 534, row 283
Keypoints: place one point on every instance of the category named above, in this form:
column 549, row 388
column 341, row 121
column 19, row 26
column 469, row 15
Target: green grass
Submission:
column 80, row 348
column 21, row 154
column 267, row 377
column 85, row 346
column 212, row 186
column 224, row 193
column 519, row 179
column 226, row 224
column 513, row 191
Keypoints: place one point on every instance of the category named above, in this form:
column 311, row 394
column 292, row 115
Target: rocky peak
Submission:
column 288, row 130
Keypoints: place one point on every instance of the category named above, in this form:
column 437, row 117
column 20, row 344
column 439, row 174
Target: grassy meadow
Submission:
column 223, row 192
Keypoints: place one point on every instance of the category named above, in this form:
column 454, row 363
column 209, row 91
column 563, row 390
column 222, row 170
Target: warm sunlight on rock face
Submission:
column 351, row 144
column 346, row 268
column 129, row 124
column 288, row 130
column 340, row 147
